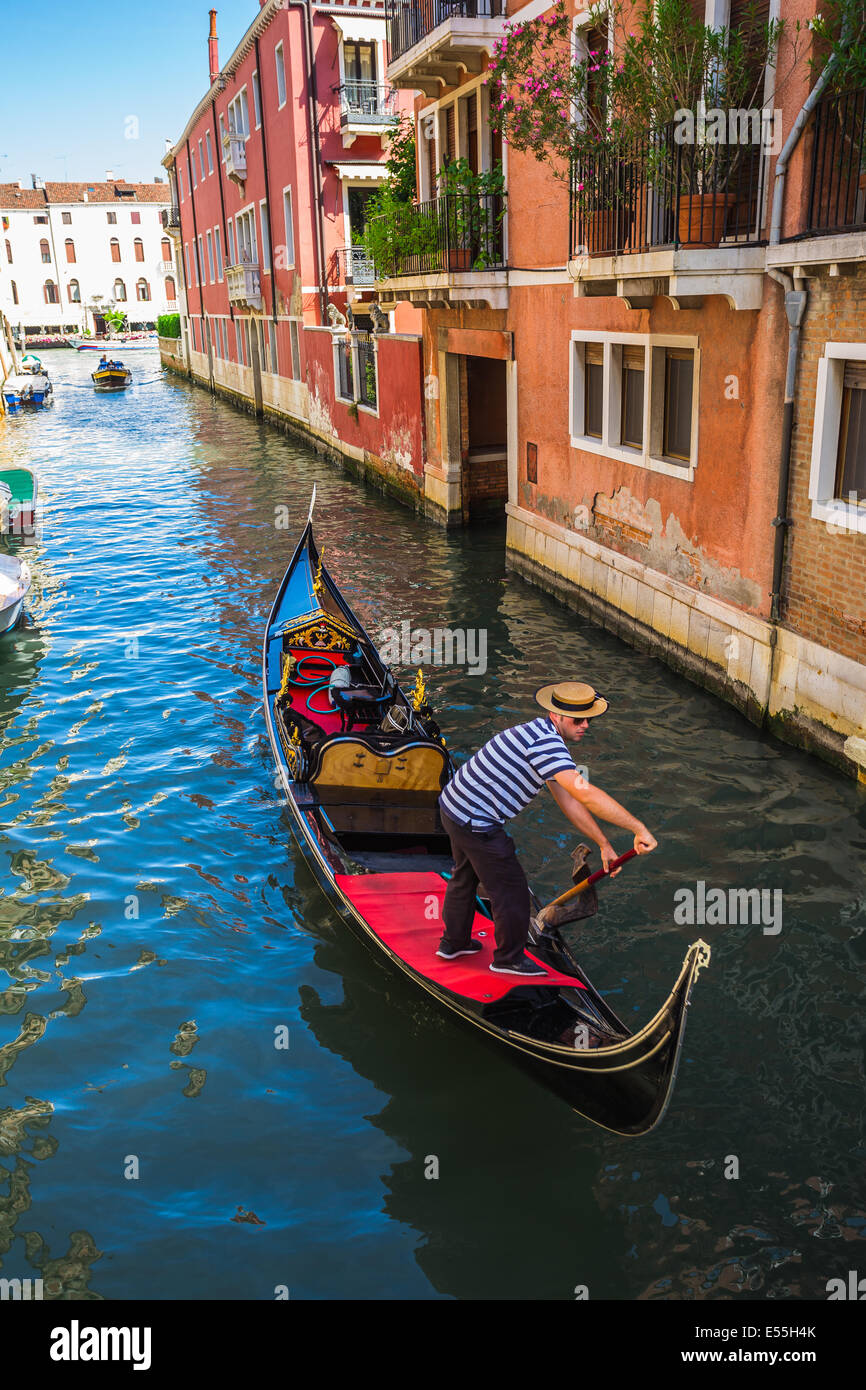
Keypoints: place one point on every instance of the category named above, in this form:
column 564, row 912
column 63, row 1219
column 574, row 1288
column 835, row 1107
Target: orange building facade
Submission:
column 614, row 380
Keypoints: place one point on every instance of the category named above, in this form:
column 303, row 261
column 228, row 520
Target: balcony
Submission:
column 366, row 108
column 656, row 217
column 448, row 251
column 355, row 267
column 435, row 42
column 171, row 219
column 235, row 148
column 244, row 285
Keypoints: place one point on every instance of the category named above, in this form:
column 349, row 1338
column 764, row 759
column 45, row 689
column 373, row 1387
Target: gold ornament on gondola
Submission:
column 419, row 694
column 317, row 582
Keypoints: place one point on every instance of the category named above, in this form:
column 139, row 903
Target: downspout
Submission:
column 796, row 299
column 267, row 188
column 315, row 155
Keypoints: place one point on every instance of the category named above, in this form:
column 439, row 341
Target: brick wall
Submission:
column 824, row 586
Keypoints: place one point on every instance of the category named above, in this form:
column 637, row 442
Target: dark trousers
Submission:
column 487, row 856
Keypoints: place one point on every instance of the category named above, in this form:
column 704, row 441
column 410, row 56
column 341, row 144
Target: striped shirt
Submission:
column 499, row 780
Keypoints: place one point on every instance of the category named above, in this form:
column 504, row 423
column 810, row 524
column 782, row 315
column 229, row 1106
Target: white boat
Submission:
column 15, row 583
column 29, row 386
column 128, row 344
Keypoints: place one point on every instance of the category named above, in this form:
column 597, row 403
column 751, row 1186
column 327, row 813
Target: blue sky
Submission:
column 72, row 75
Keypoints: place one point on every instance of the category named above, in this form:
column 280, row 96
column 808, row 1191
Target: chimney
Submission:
column 213, row 48
column 109, row 176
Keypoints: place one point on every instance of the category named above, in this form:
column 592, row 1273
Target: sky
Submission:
column 87, row 87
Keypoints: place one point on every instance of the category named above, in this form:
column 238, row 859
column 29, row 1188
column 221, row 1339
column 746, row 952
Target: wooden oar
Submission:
column 584, row 883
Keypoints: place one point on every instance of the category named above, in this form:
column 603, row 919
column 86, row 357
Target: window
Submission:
column 281, row 74
column 290, row 230
column 210, row 260
column 14, row 289
column 9, row 251
column 192, row 167
column 74, row 292
column 180, row 181
column 257, row 101
column 138, row 248
column 142, row 291
column 359, row 62
column 239, row 122
column 135, row 219
column 593, row 419
column 186, row 258
column 170, row 288
column 120, row 291
column 45, row 252
column 355, row 369
column 239, row 340
column 200, row 271
column 296, row 350
column 231, row 248
column 246, row 232
column 166, row 249
column 195, row 333
column 345, row 374
column 222, row 139
column 632, row 397
column 115, row 249
column 851, row 454
column 272, row 331
column 266, row 239
column 209, row 147
column 366, row 373
column 677, row 432
column 66, row 219
column 41, row 219
column 70, row 251
column 111, row 218
column 201, row 160
column 49, row 289
column 219, row 252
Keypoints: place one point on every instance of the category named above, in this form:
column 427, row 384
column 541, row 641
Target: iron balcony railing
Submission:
column 354, row 266
column 366, row 103
column 656, row 193
column 456, row 232
column 409, row 21
column 170, row 217
column 837, row 188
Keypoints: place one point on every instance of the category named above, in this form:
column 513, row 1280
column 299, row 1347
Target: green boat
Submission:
column 19, row 489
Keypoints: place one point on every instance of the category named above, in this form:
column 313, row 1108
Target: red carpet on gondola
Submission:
column 405, row 911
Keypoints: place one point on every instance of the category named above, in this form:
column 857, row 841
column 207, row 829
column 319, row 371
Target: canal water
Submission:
column 159, row 930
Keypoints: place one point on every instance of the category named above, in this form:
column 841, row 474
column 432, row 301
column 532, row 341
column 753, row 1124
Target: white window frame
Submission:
column 826, row 506
column 218, row 243
column 230, row 232
column 239, row 343
column 257, row 99
column 247, row 235
column 208, row 144
column 180, row 181
column 201, row 160
column 289, row 226
column 280, row 65
column 223, row 132
column 265, row 225
column 649, row 456
column 239, row 114
column 295, row 347
column 210, row 259
column 339, row 338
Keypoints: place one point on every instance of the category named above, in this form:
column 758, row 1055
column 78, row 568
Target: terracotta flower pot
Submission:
column 701, row 218
column 460, row 260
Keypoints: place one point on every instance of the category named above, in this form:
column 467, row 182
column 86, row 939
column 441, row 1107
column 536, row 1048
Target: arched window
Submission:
column 70, row 250
column 166, row 249
column 50, row 291
column 74, row 292
column 14, row 291
column 120, row 291
column 8, row 251
column 138, row 244
column 115, row 249
column 170, row 288
column 142, row 289
column 45, row 252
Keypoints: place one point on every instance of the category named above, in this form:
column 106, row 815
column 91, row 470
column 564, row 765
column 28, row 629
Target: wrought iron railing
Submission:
column 170, row 217
column 653, row 193
column 366, row 346
column 409, row 21
column 345, row 373
column 354, row 266
column 837, row 188
column 367, row 103
column 457, row 232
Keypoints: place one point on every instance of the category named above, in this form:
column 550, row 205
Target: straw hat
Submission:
column 571, row 698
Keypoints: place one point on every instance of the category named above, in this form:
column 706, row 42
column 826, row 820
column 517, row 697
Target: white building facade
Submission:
column 71, row 251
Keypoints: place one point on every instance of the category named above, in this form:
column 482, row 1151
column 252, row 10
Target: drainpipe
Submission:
column 267, row 188
column 315, row 154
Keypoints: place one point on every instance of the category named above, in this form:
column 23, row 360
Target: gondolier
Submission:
column 494, row 785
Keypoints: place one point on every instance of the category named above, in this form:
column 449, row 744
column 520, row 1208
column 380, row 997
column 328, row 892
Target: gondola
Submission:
column 361, row 765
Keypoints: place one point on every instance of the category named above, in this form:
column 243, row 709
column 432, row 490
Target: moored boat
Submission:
column 361, row 765
column 15, row 582
column 128, row 344
column 111, row 376
column 31, row 386
column 19, row 489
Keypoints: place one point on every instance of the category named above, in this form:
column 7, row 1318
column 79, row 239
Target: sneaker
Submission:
column 448, row 952
column 523, row 966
